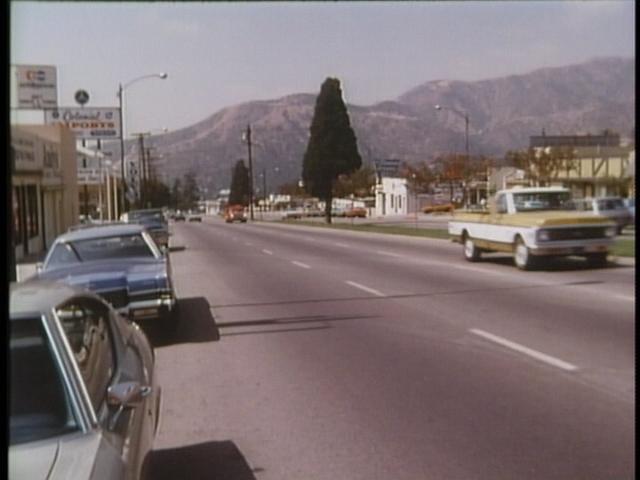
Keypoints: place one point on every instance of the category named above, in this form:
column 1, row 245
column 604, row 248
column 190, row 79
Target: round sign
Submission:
column 82, row 97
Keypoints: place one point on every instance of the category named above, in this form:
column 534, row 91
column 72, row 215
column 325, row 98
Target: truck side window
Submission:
column 501, row 204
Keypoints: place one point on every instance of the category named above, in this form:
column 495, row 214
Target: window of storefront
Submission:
column 32, row 210
column 18, row 228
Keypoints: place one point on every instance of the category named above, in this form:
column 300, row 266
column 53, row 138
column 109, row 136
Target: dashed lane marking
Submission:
column 543, row 357
column 365, row 289
column 300, row 264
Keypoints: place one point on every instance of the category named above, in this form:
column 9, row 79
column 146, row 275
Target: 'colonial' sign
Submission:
column 88, row 123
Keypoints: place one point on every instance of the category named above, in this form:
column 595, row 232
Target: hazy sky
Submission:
column 222, row 54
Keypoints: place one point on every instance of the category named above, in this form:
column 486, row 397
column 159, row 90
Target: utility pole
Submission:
column 141, row 170
column 248, row 139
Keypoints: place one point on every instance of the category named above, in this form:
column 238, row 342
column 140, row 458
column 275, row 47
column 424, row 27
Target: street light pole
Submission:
column 121, row 89
column 465, row 116
column 248, row 140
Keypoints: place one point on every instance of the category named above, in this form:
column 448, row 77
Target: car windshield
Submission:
column 39, row 402
column 535, row 201
column 146, row 217
column 610, row 204
column 104, row 248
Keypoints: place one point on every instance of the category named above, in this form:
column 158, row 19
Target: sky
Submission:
column 218, row 55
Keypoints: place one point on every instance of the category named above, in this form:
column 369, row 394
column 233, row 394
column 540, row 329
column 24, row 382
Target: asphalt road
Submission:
column 308, row 354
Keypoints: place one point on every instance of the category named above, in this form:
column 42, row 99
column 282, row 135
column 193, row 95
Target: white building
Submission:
column 391, row 197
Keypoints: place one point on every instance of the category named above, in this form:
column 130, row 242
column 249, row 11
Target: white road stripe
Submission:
column 482, row 270
column 389, row 254
column 343, row 245
column 629, row 298
column 300, row 264
column 268, row 252
column 527, row 351
column 366, row 289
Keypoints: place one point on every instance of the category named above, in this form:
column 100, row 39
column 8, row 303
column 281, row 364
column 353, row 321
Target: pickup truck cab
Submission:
column 531, row 224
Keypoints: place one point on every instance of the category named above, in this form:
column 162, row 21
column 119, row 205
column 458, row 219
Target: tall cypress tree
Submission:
column 332, row 148
column 239, row 194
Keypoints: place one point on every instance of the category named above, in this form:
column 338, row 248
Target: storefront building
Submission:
column 44, row 186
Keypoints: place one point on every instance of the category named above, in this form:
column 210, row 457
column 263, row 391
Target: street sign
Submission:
column 37, row 87
column 91, row 123
column 82, row 97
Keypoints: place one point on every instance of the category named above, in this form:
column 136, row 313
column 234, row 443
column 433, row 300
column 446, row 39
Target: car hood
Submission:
column 133, row 273
column 556, row 218
column 72, row 456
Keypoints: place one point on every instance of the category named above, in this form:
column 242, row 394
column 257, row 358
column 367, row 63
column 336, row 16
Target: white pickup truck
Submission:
column 533, row 223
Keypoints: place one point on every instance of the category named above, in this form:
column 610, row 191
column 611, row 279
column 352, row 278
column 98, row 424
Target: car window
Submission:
column 62, row 254
column 610, row 204
column 122, row 246
column 86, row 324
column 39, row 401
column 532, row 201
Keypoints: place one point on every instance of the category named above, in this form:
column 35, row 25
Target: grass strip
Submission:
column 623, row 247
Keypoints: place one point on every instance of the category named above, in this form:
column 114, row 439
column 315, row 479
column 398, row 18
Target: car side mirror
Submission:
column 125, row 395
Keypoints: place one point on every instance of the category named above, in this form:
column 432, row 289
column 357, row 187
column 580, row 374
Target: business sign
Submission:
column 37, row 87
column 87, row 123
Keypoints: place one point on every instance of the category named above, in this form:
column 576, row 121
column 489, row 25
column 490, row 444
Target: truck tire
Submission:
column 522, row 255
column 469, row 249
column 597, row 259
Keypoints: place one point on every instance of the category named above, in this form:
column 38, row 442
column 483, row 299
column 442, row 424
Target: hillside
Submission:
column 503, row 112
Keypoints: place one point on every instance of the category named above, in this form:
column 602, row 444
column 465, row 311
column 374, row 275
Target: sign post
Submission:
column 37, row 87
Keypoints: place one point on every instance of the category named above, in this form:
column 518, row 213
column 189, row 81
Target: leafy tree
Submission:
column 157, row 194
column 419, row 176
column 190, row 192
column 292, row 188
column 358, row 183
column 332, row 149
column 239, row 194
column 542, row 165
column 176, row 193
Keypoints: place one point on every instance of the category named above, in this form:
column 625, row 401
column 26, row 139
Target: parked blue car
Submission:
column 121, row 263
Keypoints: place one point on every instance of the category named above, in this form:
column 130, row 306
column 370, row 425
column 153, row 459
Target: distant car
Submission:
column 194, row 217
column 84, row 402
column 122, row 264
column 358, row 212
column 438, row 208
column 178, row 217
column 630, row 203
column 610, row 207
column 235, row 213
column 292, row 214
column 155, row 222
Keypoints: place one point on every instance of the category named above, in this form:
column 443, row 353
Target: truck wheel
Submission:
column 471, row 252
column 522, row 256
column 597, row 259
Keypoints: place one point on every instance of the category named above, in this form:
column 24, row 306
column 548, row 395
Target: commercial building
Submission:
column 44, row 186
column 601, row 165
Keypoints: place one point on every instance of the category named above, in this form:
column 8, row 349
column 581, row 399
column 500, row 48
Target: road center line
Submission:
column 343, row 245
column 366, row 289
column 629, row 298
column 389, row 254
column 482, row 270
column 300, row 264
column 268, row 252
column 527, row 351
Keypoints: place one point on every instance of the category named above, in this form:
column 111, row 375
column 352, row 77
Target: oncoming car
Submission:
column 83, row 398
column 122, row 264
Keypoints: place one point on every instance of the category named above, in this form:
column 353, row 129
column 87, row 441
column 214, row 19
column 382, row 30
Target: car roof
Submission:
column 147, row 210
column 101, row 231
column 39, row 295
column 533, row 189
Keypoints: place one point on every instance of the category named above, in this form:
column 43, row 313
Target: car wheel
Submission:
column 522, row 255
column 470, row 250
column 597, row 259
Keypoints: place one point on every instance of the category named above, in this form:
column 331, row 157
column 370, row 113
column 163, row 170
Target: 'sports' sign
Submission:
column 88, row 123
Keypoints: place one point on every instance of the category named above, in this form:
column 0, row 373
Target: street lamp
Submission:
column 464, row 115
column 121, row 89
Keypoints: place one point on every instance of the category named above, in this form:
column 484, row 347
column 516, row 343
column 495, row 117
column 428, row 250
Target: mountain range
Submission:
column 503, row 113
